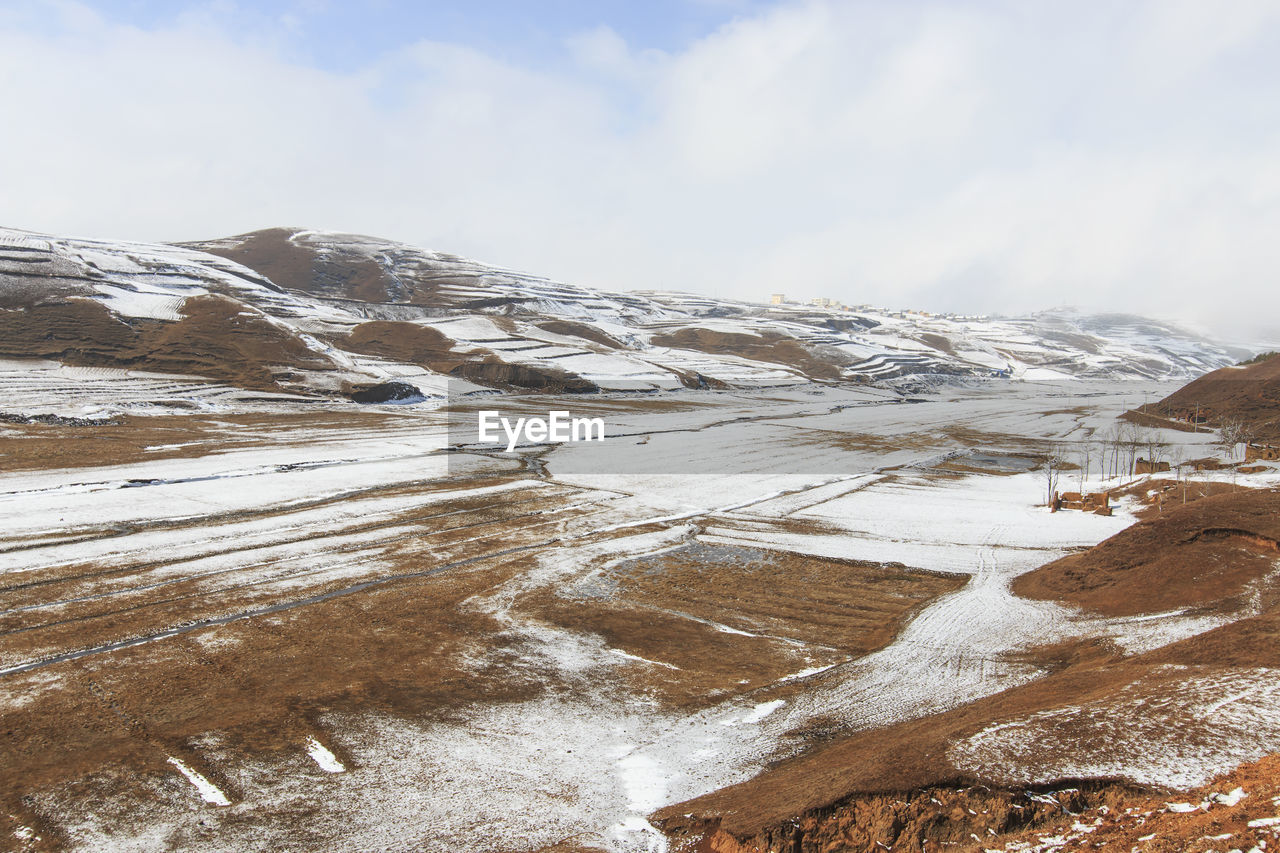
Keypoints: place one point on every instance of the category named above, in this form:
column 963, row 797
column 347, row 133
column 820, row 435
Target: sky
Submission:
column 981, row 157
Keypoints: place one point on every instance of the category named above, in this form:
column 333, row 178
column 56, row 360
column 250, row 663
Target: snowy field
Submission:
column 264, row 531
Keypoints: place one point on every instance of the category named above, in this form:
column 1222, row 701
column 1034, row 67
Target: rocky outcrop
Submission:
column 935, row 818
column 387, row 392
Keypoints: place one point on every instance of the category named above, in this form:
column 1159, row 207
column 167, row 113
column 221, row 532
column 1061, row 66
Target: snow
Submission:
column 1230, row 799
column 620, row 653
column 1173, row 732
column 137, row 280
column 853, row 474
column 758, row 713
column 209, row 792
column 152, row 303
column 326, row 760
column 805, row 673
column 47, row 387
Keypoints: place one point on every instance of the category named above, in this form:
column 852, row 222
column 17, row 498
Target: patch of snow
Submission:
column 209, row 792
column 638, row 659
column 1155, row 732
column 327, row 761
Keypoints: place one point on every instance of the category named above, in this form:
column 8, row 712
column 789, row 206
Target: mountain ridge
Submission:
column 301, row 302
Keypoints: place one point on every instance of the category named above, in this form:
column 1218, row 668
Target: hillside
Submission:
column 1178, row 680
column 1212, row 549
column 1248, row 393
column 322, row 315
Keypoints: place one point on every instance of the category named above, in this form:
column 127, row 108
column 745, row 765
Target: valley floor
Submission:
column 231, row 623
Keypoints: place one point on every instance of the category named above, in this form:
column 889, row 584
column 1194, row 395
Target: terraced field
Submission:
column 257, row 621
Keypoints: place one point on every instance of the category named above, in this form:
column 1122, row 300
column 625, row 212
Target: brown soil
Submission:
column 865, row 790
column 95, row 728
column 938, row 342
column 398, row 646
column 1250, row 394
column 394, row 650
column 1133, row 821
column 409, row 342
column 769, row 347
column 837, row 793
column 580, row 330
column 216, row 338
column 274, row 255
column 351, row 275
column 27, row 292
column 658, row 608
column 895, row 760
column 422, row 345
column 134, row 439
column 495, row 373
column 1188, row 556
column 937, row 818
column 1156, row 421
column 1074, row 816
column 1161, row 496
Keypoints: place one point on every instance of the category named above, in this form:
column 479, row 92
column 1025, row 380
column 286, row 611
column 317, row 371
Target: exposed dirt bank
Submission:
column 1237, row 811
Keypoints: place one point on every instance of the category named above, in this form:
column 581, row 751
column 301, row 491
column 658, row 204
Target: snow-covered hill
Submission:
column 323, row 313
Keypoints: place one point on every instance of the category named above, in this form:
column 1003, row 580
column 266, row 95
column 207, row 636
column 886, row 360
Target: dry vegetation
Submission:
column 1205, row 552
column 671, row 608
column 896, row 786
column 215, row 339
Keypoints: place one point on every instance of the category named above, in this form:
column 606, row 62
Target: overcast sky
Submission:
column 969, row 156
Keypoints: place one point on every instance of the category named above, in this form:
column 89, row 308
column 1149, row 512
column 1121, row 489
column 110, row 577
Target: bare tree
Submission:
column 1084, row 453
column 1247, row 436
column 1131, row 438
column 1178, row 459
column 1154, row 447
column 1231, row 431
column 1052, row 472
column 1111, row 443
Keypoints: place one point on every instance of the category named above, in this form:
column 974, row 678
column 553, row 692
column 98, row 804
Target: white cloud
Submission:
column 984, row 156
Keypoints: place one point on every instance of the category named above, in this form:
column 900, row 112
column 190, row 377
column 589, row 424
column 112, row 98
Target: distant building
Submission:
column 777, row 299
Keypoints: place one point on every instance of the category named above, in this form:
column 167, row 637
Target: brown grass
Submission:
column 212, row 340
column 838, row 794
column 1250, row 394
column 1195, row 555
column 659, row 609
column 768, row 347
